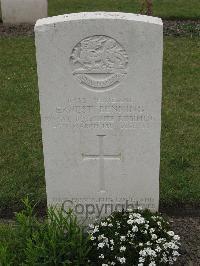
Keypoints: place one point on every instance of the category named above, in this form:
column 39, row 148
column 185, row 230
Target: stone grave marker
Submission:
column 100, row 84
column 23, row 11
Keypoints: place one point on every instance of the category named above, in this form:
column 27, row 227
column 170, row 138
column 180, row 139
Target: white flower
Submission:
column 122, row 260
column 159, row 224
column 142, row 253
column 154, row 236
column 135, row 228
column 147, row 251
column 160, row 240
column 171, row 245
column 112, row 241
column 152, row 230
column 131, row 216
column 146, row 226
column 139, row 220
column 91, row 226
column 166, row 245
column 122, row 248
column 122, row 238
column 101, row 256
column 141, row 259
column 164, row 258
column 151, row 252
column 175, row 253
column 130, row 221
column 136, row 215
column 101, row 245
column 152, row 263
column 100, row 237
column 112, row 263
column 105, row 240
column 158, row 249
column 110, row 225
column 176, row 237
column 140, row 264
column 104, row 264
column 170, row 233
column 96, row 229
column 103, row 224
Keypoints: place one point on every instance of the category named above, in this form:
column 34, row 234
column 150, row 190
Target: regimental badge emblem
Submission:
column 99, row 62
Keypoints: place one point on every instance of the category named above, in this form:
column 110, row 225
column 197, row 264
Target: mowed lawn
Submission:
column 171, row 9
column 21, row 159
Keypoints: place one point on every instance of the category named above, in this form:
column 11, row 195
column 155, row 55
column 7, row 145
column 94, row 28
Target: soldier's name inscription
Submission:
column 102, row 113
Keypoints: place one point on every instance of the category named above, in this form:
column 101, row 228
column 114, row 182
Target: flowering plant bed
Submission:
column 133, row 238
column 126, row 238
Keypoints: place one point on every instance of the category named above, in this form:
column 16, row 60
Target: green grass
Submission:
column 168, row 9
column 21, row 159
column 180, row 150
column 173, row 9
column 182, row 9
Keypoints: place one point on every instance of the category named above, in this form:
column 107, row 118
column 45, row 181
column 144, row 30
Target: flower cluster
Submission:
column 133, row 238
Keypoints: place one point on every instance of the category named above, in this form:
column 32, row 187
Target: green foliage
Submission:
column 7, row 243
column 58, row 240
column 133, row 238
column 5, row 256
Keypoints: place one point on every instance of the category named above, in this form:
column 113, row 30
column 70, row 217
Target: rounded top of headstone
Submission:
column 99, row 15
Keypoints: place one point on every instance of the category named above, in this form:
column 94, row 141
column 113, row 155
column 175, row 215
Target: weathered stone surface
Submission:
column 23, row 11
column 100, row 82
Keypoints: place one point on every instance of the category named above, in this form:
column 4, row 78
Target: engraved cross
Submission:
column 101, row 157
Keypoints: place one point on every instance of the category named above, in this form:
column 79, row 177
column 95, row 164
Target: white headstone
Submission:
column 23, row 11
column 100, row 83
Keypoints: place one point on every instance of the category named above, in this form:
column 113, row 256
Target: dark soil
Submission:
column 182, row 28
column 171, row 28
column 10, row 30
column 189, row 230
column 180, row 209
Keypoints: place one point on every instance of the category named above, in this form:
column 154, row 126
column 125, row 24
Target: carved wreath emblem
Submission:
column 99, row 62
